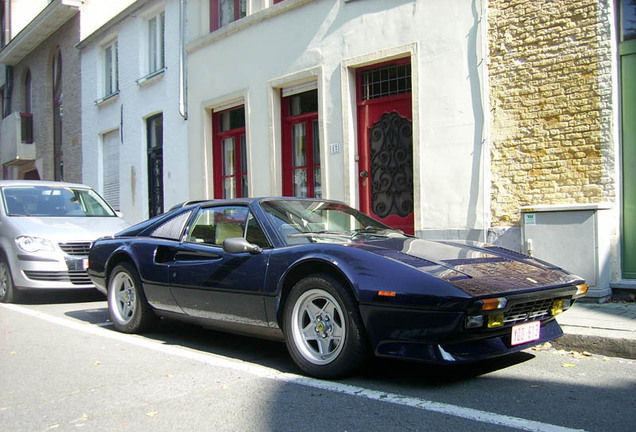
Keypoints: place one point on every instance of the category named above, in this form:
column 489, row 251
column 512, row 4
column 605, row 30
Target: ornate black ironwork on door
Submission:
column 391, row 151
column 154, row 127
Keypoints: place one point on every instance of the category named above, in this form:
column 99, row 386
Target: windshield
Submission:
column 47, row 201
column 306, row 221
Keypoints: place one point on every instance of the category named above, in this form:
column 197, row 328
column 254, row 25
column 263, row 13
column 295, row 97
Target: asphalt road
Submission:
column 64, row 368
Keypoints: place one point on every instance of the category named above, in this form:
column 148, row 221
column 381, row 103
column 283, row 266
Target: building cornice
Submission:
column 47, row 22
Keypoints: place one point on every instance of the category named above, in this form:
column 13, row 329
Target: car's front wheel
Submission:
column 129, row 310
column 8, row 293
column 323, row 329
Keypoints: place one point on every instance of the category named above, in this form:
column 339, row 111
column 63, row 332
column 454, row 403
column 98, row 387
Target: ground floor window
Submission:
column 230, row 153
column 301, row 145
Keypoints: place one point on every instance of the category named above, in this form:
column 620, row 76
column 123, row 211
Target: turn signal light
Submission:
column 494, row 303
column 581, row 290
column 386, row 293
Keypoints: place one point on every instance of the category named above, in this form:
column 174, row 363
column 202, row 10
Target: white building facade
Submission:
column 457, row 119
column 134, row 133
column 411, row 61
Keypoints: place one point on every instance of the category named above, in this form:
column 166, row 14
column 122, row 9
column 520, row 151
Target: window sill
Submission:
column 107, row 98
column 152, row 76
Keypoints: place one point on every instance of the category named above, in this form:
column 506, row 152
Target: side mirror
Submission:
column 237, row 245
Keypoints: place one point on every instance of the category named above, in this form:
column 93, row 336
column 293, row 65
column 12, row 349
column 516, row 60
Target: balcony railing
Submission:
column 16, row 141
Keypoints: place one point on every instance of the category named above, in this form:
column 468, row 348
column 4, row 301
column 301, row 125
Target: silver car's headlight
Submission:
column 34, row 244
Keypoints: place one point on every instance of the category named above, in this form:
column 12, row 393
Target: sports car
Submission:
column 331, row 282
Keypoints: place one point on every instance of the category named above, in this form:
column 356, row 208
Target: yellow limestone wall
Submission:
column 551, row 93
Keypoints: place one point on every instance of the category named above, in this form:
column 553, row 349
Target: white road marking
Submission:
column 270, row 373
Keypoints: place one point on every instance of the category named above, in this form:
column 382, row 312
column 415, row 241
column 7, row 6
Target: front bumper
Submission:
column 440, row 336
column 58, row 272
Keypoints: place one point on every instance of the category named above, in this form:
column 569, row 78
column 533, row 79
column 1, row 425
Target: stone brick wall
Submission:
column 551, row 93
column 39, row 63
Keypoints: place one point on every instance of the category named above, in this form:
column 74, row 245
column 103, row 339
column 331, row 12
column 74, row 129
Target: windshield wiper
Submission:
column 375, row 231
column 323, row 233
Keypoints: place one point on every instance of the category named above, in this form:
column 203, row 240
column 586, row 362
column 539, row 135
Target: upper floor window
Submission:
column 28, row 92
column 3, row 26
column 111, row 69
column 223, row 12
column 156, row 56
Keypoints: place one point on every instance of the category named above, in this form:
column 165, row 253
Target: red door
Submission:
column 385, row 144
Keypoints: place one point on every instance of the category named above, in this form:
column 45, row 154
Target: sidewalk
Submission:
column 606, row 329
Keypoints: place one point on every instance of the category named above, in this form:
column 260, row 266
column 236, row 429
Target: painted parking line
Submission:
column 273, row 374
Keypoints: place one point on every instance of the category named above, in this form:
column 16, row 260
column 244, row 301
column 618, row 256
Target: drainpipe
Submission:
column 183, row 88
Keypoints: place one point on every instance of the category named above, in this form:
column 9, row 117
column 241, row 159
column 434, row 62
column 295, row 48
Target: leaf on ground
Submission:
column 12, row 353
column 568, row 365
column 152, row 413
column 97, row 362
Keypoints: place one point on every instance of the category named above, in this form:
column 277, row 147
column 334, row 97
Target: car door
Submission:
column 211, row 284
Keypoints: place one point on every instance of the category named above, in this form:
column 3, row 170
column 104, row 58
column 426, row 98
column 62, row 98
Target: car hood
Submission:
column 477, row 269
column 67, row 228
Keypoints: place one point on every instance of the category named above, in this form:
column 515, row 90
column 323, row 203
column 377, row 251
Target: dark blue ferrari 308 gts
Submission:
column 333, row 283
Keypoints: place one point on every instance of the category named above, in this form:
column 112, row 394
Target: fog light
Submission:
column 495, row 320
column 557, row 307
column 475, row 321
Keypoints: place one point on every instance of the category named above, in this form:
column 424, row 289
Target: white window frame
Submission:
column 156, row 43
column 111, row 68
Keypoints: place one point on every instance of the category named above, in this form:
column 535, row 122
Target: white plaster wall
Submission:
column 327, row 39
column 130, row 109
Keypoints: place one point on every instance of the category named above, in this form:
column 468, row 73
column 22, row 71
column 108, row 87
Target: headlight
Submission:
column 34, row 244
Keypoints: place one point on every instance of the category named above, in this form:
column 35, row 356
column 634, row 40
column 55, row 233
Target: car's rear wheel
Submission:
column 323, row 329
column 129, row 310
column 8, row 293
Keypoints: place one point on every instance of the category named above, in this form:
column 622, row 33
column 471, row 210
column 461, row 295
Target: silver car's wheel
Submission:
column 323, row 329
column 318, row 326
column 8, row 293
column 129, row 310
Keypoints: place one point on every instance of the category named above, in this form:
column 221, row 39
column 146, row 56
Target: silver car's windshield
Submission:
column 46, row 201
column 305, row 221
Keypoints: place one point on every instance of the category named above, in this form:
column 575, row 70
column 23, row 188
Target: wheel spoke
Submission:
column 309, row 332
column 312, row 311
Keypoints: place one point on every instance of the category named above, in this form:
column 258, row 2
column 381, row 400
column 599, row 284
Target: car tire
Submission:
column 8, row 291
column 323, row 329
column 127, row 305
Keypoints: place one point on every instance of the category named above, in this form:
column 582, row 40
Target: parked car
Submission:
column 46, row 230
column 333, row 283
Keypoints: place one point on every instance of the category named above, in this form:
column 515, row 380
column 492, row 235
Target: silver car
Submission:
column 46, row 231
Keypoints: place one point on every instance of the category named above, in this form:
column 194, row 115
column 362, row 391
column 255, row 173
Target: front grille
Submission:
column 76, row 248
column 529, row 311
column 76, row 277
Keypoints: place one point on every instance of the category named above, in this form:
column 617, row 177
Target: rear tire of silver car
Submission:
column 129, row 310
column 8, row 292
column 323, row 329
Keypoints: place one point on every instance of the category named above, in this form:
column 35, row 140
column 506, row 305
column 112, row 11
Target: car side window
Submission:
column 212, row 225
column 173, row 228
column 255, row 234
